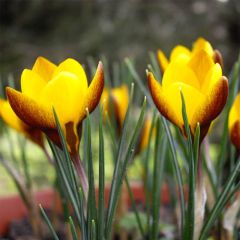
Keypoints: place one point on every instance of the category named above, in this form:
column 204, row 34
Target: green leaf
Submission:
column 91, row 204
column 73, row 229
column 176, row 166
column 158, row 168
column 139, row 223
column 121, row 165
column 156, row 67
column 221, row 201
column 189, row 223
column 101, row 186
column 51, row 228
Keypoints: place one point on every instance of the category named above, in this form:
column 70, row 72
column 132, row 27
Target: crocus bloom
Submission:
column 119, row 97
column 185, row 54
column 12, row 120
column 63, row 87
column 234, row 122
column 204, row 88
column 145, row 135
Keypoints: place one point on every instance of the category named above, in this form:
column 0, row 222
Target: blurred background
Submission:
column 58, row 29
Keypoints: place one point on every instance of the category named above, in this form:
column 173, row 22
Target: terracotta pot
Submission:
column 12, row 208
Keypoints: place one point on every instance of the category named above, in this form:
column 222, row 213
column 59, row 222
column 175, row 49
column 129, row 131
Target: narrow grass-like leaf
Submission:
column 65, row 178
column 101, row 186
column 115, row 186
column 156, row 67
column 92, row 211
column 221, row 201
column 82, row 210
column 51, row 228
column 158, row 169
column 121, row 165
column 73, row 229
column 139, row 81
column 176, row 166
column 93, row 235
column 196, row 147
column 146, row 180
column 189, row 224
column 140, row 226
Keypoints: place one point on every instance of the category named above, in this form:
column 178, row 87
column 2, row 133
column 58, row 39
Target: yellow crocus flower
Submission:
column 63, row 87
column 12, row 120
column 234, row 122
column 185, row 54
column 204, row 88
column 120, row 100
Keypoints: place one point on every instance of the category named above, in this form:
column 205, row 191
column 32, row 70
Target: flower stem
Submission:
column 81, row 174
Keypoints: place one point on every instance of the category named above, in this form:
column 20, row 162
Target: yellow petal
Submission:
column 72, row 66
column 201, row 63
column 65, row 93
column 44, row 68
column 193, row 99
column 213, row 75
column 94, row 92
column 32, row 84
column 234, row 114
column 178, row 71
column 144, row 136
column 163, row 61
column 235, row 134
column 161, row 100
column 211, row 107
column 120, row 98
column 29, row 111
column 9, row 116
column 202, row 44
column 180, row 52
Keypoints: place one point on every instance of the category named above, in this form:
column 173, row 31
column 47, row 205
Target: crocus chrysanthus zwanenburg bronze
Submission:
column 203, row 85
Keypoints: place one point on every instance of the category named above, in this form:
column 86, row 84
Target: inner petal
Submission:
column 213, row 75
column 72, row 66
column 201, row 63
column 178, row 71
column 66, row 95
column 179, row 51
column 32, row 84
column 44, row 68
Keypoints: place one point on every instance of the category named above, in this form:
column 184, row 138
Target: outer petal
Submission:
column 235, row 134
column 32, row 84
column 234, row 114
column 162, row 59
column 72, row 66
column 29, row 111
column 201, row 63
column 161, row 100
column 178, row 71
column 212, row 106
column 9, row 116
column 44, row 68
column 94, row 92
